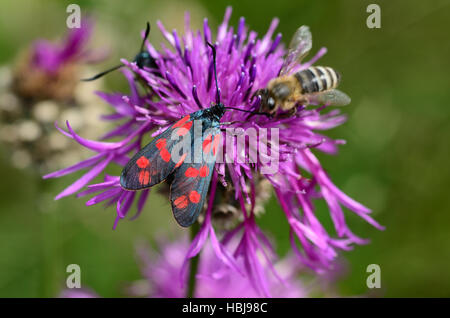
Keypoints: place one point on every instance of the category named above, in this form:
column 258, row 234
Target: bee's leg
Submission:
column 292, row 111
column 289, row 113
column 306, row 101
column 303, row 100
column 287, row 105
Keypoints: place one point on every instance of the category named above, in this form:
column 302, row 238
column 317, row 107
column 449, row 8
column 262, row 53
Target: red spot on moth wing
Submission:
column 181, row 122
column 191, row 172
column 165, row 154
column 161, row 143
column 142, row 162
column 216, row 143
column 184, row 130
column 188, row 125
column 194, row 197
column 180, row 162
column 181, row 131
column 181, row 202
column 144, row 177
column 207, row 144
column 203, row 171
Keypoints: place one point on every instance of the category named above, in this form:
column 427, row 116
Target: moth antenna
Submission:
column 218, row 89
column 215, row 70
column 147, row 32
column 250, row 112
column 93, row 78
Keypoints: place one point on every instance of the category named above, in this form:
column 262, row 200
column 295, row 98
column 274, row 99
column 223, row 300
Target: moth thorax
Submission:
column 317, row 79
column 144, row 59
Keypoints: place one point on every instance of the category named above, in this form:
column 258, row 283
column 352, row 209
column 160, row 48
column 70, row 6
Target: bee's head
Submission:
column 268, row 103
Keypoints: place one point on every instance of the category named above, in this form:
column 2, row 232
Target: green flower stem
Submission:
column 193, row 268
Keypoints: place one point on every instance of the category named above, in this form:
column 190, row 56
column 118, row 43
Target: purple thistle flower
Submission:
column 50, row 70
column 50, row 57
column 214, row 280
column 42, row 87
column 78, row 293
column 245, row 63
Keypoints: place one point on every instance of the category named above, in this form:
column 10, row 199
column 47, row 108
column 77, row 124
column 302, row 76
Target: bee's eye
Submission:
column 271, row 103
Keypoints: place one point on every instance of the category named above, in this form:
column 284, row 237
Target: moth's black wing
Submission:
column 153, row 163
column 191, row 181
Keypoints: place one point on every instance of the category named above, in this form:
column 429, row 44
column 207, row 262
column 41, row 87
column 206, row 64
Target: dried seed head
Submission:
column 46, row 111
column 37, row 84
column 27, row 126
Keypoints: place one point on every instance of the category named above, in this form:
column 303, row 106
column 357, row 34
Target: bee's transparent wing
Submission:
column 299, row 47
column 332, row 97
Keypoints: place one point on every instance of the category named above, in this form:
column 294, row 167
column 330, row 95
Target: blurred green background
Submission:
column 396, row 160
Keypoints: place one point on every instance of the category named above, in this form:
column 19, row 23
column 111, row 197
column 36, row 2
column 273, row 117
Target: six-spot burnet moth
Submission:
column 191, row 178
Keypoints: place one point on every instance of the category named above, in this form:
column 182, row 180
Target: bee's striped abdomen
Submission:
column 317, row 79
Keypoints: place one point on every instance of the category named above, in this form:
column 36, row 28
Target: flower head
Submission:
column 214, row 280
column 50, row 57
column 183, row 84
column 78, row 293
column 49, row 70
column 44, row 87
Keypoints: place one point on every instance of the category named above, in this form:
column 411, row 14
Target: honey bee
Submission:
column 313, row 85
